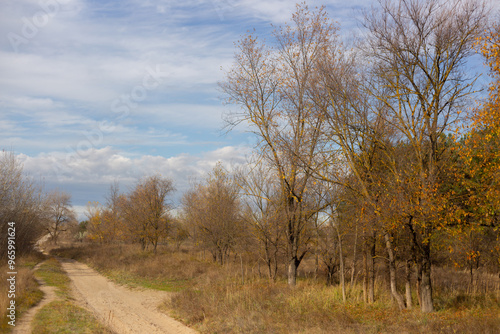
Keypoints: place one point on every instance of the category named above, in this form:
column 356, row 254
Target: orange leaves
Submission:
column 473, row 255
column 480, row 152
column 489, row 46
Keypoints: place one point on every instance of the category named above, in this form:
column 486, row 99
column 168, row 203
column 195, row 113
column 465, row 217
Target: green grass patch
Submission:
column 155, row 283
column 52, row 273
column 64, row 317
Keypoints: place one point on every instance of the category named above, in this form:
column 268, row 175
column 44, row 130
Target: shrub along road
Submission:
column 122, row 309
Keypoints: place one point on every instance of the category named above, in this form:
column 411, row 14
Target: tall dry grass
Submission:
column 27, row 291
column 260, row 307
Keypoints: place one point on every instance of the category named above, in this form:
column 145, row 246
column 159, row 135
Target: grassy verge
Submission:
column 156, row 283
column 27, row 292
column 213, row 299
column 62, row 316
column 52, row 274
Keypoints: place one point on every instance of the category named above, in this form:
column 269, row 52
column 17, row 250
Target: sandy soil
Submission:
column 122, row 309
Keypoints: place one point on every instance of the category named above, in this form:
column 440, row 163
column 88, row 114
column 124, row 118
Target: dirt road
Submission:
column 122, row 309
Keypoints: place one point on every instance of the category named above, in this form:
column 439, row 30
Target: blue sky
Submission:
column 93, row 92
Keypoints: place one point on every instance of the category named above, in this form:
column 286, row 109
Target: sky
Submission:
column 96, row 91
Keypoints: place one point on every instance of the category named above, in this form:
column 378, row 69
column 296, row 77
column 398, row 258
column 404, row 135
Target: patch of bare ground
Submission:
column 122, row 309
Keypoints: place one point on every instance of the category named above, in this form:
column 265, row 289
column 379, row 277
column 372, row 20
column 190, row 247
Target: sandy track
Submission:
column 122, row 309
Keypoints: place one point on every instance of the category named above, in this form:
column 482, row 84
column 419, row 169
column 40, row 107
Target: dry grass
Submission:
column 27, row 292
column 260, row 307
column 213, row 299
column 126, row 264
column 312, row 308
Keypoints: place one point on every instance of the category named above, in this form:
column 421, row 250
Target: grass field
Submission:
column 213, row 299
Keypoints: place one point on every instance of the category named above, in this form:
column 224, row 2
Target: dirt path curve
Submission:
column 121, row 309
column 49, row 295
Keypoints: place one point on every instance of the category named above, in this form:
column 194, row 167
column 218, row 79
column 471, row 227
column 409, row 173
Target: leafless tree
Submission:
column 57, row 214
column 214, row 210
column 20, row 203
column 263, row 213
column 146, row 211
column 272, row 85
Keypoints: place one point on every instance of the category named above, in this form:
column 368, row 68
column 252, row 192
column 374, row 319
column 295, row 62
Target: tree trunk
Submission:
column 316, row 253
column 419, row 283
column 354, row 257
column 392, row 273
column 292, row 271
column 471, row 275
column 427, row 304
column 269, row 269
column 330, row 272
column 155, row 245
column 242, row 272
column 342, row 276
column 409, row 303
column 275, row 264
column 316, row 265
column 371, row 281
column 365, row 276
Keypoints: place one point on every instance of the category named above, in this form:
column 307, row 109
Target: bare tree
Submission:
column 272, row 85
column 213, row 207
column 20, row 203
column 263, row 212
column 146, row 210
column 111, row 214
column 57, row 214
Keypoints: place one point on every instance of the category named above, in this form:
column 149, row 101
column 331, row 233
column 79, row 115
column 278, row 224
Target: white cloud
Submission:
column 98, row 168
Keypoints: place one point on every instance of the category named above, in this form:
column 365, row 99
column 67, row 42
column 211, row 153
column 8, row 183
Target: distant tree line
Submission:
column 143, row 216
